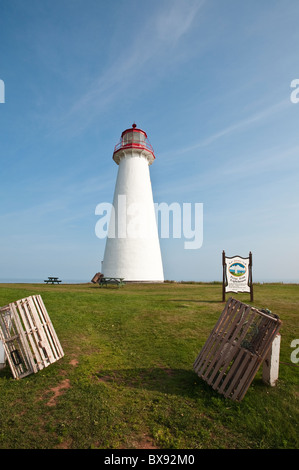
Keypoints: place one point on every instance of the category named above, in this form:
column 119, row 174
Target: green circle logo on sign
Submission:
column 237, row 269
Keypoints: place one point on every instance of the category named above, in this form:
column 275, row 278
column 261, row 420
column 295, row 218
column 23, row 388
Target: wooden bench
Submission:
column 52, row 280
column 104, row 281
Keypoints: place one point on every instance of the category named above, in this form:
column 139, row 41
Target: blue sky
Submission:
column 209, row 81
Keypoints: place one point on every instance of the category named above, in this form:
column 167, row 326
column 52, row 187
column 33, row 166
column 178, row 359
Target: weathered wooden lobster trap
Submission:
column 28, row 337
column 236, row 347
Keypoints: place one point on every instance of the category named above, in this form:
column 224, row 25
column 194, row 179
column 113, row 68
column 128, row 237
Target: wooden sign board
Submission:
column 237, row 275
column 29, row 340
column 235, row 349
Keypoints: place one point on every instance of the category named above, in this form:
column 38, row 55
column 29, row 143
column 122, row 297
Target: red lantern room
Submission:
column 134, row 138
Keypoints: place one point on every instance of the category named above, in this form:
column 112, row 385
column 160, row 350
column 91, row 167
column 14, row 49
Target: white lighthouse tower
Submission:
column 132, row 248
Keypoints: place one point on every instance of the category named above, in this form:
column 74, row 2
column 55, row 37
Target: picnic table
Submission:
column 52, row 280
column 104, row 281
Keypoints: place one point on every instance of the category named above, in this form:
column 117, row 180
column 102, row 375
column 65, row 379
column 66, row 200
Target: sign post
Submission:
column 237, row 275
column 2, row 356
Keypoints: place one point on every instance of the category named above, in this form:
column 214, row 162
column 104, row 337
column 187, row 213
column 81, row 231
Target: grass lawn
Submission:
column 127, row 382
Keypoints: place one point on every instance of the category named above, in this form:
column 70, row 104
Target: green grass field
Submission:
column 127, row 380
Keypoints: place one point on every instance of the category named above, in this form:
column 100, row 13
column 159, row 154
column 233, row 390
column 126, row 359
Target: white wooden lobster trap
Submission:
column 29, row 340
column 236, row 347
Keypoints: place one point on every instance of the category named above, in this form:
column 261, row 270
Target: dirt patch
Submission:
column 74, row 362
column 59, row 390
column 145, row 442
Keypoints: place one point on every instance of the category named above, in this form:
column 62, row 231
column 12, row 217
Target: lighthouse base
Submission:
column 143, row 282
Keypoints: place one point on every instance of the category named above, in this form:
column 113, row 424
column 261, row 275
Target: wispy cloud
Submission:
column 150, row 51
column 266, row 161
column 237, row 126
column 171, row 25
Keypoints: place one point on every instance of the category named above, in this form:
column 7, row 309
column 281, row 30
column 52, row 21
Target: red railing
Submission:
column 144, row 145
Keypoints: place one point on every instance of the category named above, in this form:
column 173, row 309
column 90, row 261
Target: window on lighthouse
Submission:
column 139, row 137
column 127, row 138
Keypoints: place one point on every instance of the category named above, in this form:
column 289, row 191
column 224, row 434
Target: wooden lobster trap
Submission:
column 28, row 337
column 236, row 348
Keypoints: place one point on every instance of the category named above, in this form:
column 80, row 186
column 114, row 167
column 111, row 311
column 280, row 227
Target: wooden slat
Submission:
column 241, row 381
column 223, row 340
column 215, row 343
column 50, row 329
column 201, row 357
column 214, row 339
column 16, row 342
column 28, row 356
column 234, row 351
column 43, row 343
column 30, row 333
column 51, row 334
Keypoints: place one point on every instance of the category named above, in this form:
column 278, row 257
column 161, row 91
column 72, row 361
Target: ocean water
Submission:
column 40, row 281
column 84, row 281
